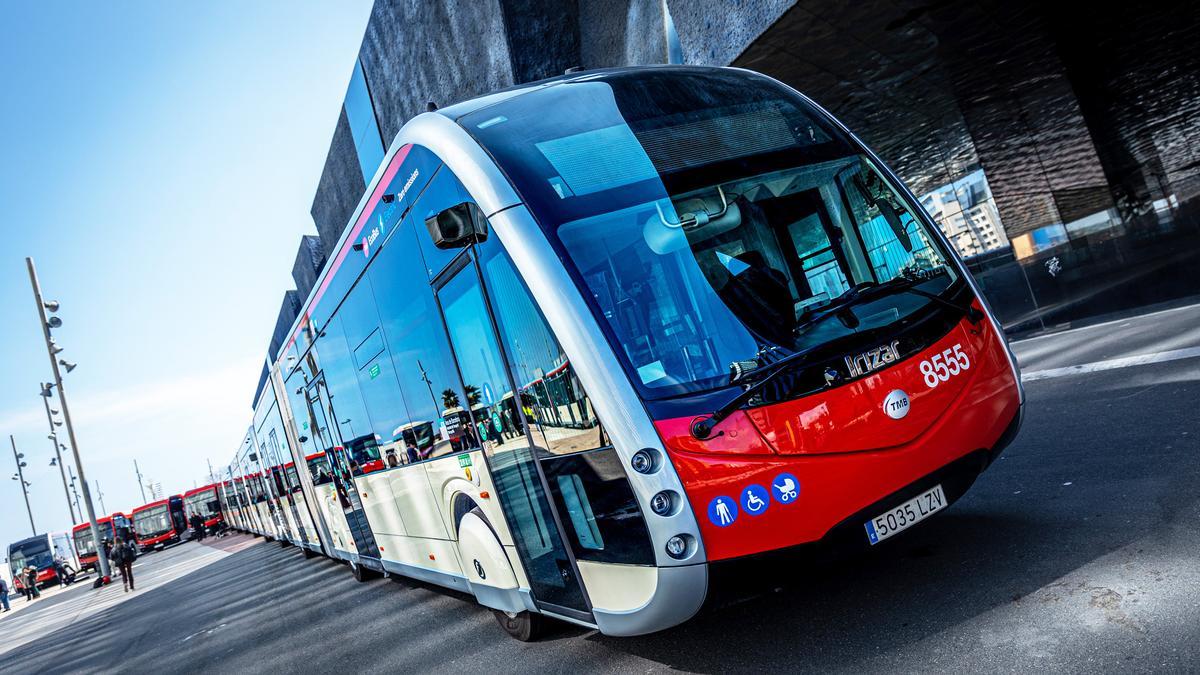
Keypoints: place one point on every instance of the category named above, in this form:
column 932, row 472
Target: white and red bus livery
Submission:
column 584, row 339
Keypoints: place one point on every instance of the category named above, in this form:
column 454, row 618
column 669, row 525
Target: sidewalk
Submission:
column 57, row 610
column 50, row 594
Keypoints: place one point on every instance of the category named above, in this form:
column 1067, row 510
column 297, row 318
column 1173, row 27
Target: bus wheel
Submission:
column 363, row 574
column 524, row 626
column 308, row 553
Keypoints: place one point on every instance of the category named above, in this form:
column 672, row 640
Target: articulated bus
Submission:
column 160, row 524
column 40, row 551
column 203, row 501
column 117, row 526
column 586, row 338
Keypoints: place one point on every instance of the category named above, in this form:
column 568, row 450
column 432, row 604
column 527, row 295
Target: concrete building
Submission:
column 1044, row 135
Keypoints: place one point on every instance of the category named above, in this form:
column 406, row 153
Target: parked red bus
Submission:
column 112, row 527
column 206, row 502
column 160, row 524
column 673, row 316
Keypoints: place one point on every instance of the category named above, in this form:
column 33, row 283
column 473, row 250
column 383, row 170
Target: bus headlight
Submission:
column 643, row 461
column 663, row 503
column 679, row 546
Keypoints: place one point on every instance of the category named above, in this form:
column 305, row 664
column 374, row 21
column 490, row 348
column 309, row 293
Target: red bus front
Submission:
column 205, row 502
column 815, row 358
column 85, row 545
column 156, row 524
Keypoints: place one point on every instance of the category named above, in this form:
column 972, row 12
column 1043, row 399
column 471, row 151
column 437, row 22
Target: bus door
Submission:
column 328, row 437
column 487, row 383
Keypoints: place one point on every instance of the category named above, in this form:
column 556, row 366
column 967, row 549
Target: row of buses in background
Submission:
column 148, row 527
column 583, row 339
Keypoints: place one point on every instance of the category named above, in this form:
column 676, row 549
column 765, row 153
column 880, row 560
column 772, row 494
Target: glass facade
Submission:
column 1049, row 145
column 364, row 126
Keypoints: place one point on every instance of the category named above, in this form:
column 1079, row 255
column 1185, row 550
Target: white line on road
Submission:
column 1136, row 317
column 1112, row 364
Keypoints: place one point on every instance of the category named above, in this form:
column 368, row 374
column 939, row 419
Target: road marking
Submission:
column 1112, row 364
column 1099, row 325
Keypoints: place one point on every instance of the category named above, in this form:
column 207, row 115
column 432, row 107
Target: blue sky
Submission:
column 158, row 162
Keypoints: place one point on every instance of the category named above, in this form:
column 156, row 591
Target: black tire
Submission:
column 308, row 552
column 524, row 626
column 362, row 574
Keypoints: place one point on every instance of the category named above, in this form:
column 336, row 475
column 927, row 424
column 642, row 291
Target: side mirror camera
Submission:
column 457, row 227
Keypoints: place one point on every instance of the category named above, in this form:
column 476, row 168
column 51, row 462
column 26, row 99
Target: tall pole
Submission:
column 100, row 496
column 138, row 471
column 62, row 398
column 211, row 477
column 74, row 491
column 21, row 480
column 57, row 452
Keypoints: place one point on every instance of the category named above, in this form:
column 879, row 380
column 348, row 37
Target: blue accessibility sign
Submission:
column 755, row 499
column 722, row 511
column 786, row 488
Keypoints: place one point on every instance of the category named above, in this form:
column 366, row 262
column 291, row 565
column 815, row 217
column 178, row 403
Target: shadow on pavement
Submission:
column 266, row 608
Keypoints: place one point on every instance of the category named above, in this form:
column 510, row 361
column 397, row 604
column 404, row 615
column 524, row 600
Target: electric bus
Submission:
column 160, row 524
column 205, row 502
column 39, row 551
column 117, row 526
column 657, row 319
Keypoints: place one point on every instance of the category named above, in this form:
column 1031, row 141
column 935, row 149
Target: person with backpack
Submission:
column 121, row 557
column 30, row 580
column 4, row 594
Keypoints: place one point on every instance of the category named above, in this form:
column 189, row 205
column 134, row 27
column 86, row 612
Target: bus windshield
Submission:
column 35, row 552
column 201, row 503
column 85, row 544
column 152, row 522
column 716, row 220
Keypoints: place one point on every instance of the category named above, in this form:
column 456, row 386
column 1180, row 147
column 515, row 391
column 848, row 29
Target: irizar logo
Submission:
column 873, row 359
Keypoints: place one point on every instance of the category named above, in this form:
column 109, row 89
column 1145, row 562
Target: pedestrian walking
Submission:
column 30, row 583
column 4, row 594
column 121, row 556
column 197, row 527
column 61, row 571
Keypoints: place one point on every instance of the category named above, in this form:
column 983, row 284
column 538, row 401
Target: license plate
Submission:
column 906, row 515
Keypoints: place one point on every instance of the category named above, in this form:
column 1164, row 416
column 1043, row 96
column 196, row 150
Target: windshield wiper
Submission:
column 702, row 428
column 908, row 285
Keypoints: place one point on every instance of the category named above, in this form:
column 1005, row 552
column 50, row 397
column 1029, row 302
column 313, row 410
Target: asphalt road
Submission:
column 1078, row 551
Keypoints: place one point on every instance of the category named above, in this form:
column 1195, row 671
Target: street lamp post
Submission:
column 20, row 477
column 57, row 453
column 73, row 490
column 42, row 306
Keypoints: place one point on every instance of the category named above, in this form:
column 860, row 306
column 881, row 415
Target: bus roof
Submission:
column 105, row 519
column 198, row 490
column 143, row 507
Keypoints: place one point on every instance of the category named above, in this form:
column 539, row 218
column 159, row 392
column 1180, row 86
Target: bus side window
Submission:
column 550, row 396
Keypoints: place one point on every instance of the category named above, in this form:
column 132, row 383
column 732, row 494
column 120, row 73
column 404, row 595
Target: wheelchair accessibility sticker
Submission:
column 755, row 499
